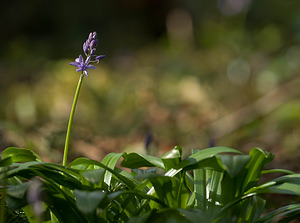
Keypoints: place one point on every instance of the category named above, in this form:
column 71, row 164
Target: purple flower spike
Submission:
column 89, row 49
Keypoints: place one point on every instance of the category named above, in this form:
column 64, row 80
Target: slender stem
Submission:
column 66, row 151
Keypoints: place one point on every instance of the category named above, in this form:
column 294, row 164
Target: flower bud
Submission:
column 85, row 48
column 90, row 36
column 93, row 51
column 94, row 35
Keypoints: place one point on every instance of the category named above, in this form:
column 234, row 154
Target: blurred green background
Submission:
column 191, row 73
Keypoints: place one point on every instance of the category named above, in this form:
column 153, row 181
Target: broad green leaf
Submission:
column 172, row 158
column 213, row 186
column 20, row 155
column 170, row 190
column 251, row 209
column 129, row 182
column 200, row 188
column 141, row 174
column 198, row 156
column 136, row 160
column 48, row 171
column 207, row 182
column 61, row 203
column 110, row 160
column 259, row 159
column 87, row 201
column 171, row 173
column 64, row 211
column 94, row 176
column 233, row 164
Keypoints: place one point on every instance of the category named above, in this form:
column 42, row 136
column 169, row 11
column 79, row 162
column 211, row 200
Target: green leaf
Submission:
column 251, row 209
column 17, row 191
column 259, row 159
column 20, row 155
column 129, row 182
column 277, row 171
column 233, row 164
column 5, row 162
column 289, row 184
column 142, row 218
column 291, row 178
column 170, row 191
column 172, row 158
column 87, row 201
column 48, row 171
column 110, row 160
column 199, row 156
column 136, row 160
column 292, row 210
column 195, row 215
column 94, row 176
column 285, row 188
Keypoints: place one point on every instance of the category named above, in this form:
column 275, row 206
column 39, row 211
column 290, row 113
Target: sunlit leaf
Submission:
column 289, row 184
column 172, row 158
column 258, row 160
column 110, row 160
column 277, row 171
column 136, row 160
column 198, row 156
column 20, row 155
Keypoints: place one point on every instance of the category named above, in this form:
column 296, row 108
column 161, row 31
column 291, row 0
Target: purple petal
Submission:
column 80, row 59
column 76, row 64
column 88, row 59
column 90, row 67
column 99, row 57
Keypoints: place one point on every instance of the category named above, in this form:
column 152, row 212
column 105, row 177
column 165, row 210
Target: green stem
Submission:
column 66, row 151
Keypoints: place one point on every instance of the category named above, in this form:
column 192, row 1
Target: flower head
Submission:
column 89, row 49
